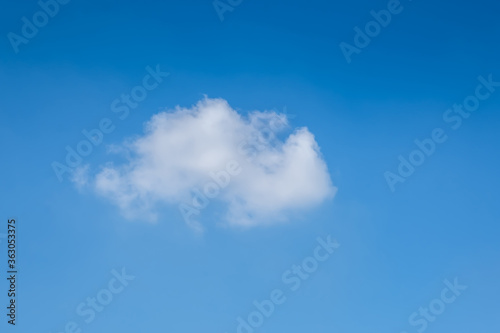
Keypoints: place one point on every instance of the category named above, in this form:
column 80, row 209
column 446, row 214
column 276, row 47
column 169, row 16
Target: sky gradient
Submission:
column 397, row 246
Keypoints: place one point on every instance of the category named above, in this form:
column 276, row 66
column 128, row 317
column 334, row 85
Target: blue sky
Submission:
column 396, row 247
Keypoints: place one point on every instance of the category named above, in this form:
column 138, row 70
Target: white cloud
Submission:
column 80, row 176
column 182, row 147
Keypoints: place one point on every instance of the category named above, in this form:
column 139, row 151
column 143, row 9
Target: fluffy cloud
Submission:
column 192, row 156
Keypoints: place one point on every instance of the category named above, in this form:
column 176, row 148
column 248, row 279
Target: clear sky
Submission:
column 402, row 233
